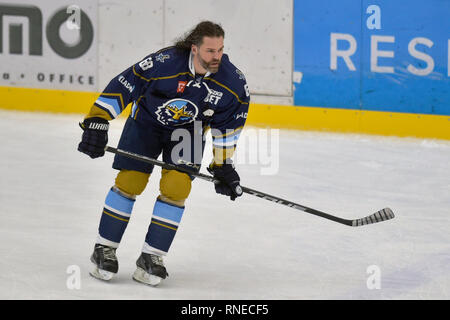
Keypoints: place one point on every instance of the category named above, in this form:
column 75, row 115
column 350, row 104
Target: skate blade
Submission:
column 101, row 274
column 142, row 276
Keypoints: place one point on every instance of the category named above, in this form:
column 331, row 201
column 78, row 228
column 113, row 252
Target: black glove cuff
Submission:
column 95, row 123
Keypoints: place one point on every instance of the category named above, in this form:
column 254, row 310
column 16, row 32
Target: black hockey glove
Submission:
column 95, row 137
column 228, row 180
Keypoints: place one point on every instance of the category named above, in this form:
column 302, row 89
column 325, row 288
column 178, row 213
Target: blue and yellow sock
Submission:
column 115, row 217
column 163, row 227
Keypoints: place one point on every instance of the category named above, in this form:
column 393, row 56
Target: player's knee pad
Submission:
column 132, row 182
column 175, row 186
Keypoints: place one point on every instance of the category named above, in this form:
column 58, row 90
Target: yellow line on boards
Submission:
column 260, row 115
column 350, row 121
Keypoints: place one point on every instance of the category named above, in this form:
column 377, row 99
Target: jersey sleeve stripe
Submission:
column 117, row 96
column 133, row 110
column 107, row 107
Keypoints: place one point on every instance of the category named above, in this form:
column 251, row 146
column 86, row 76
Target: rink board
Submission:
column 379, row 55
column 261, row 115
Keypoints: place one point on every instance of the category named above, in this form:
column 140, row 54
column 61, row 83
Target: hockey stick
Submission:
column 379, row 216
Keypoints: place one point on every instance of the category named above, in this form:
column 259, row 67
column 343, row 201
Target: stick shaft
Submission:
column 297, row 206
column 244, row 189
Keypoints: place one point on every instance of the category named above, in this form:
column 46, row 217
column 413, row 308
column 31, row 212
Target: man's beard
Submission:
column 212, row 66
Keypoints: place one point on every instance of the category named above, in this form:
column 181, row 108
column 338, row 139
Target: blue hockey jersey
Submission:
column 165, row 91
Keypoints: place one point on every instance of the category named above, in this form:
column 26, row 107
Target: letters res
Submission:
column 376, row 53
column 374, row 23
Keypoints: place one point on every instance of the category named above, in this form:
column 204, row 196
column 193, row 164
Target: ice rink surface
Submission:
column 51, row 198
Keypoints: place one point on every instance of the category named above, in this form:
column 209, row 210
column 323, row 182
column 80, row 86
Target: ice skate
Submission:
column 150, row 269
column 105, row 262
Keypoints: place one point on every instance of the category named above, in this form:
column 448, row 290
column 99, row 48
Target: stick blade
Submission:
column 379, row 216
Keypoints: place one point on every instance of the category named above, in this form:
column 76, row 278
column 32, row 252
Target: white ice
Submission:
column 51, row 198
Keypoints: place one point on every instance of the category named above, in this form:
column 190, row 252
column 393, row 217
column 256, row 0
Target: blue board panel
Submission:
column 410, row 74
column 415, row 21
column 313, row 23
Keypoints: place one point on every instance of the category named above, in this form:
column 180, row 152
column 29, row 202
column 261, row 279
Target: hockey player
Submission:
column 175, row 88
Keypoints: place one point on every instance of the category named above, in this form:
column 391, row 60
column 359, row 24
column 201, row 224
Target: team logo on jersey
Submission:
column 161, row 57
column 177, row 112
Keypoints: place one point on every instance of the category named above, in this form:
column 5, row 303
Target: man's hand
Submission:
column 228, row 179
column 95, row 137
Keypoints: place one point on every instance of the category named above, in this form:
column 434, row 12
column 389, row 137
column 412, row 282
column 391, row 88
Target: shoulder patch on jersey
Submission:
column 241, row 75
column 162, row 57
